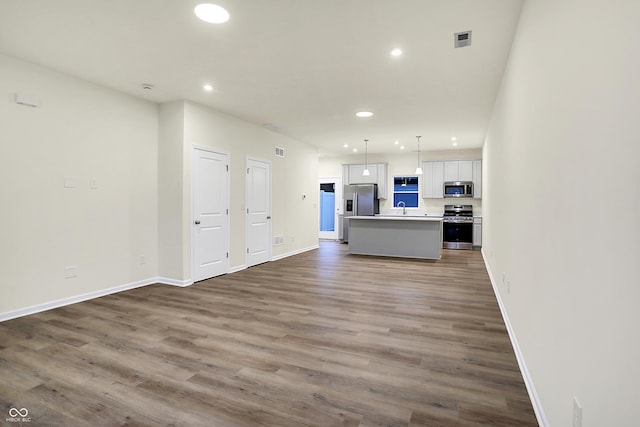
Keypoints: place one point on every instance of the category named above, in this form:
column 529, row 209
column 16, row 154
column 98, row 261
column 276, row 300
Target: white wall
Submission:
column 296, row 174
column 561, row 206
column 87, row 132
column 404, row 164
column 171, row 192
column 139, row 156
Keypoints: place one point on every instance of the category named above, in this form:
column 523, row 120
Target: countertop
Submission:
column 398, row 218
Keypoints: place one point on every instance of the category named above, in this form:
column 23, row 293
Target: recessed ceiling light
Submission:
column 207, row 87
column 455, row 144
column 453, row 138
column 346, row 145
column 364, row 114
column 355, row 150
column 402, row 147
column 211, row 13
column 396, row 52
column 396, row 142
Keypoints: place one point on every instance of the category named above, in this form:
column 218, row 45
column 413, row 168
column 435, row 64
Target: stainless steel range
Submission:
column 457, row 226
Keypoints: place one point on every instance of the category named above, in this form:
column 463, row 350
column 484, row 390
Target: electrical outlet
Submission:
column 70, row 182
column 142, row 259
column 70, row 272
column 506, row 282
column 577, row 413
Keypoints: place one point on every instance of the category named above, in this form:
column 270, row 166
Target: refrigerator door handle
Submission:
column 355, row 204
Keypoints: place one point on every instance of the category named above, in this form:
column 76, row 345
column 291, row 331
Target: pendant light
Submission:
column 419, row 168
column 365, row 172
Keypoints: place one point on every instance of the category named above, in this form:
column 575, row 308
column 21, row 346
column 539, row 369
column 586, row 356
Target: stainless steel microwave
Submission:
column 458, row 189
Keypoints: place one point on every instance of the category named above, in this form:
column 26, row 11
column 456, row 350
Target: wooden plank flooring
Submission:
column 319, row 339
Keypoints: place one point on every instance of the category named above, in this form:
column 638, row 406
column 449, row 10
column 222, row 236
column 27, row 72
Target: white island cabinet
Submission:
column 396, row 236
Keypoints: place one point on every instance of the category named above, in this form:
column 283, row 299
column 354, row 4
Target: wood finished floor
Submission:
column 319, row 339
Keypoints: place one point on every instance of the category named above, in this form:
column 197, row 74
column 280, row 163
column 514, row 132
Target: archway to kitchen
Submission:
column 330, row 208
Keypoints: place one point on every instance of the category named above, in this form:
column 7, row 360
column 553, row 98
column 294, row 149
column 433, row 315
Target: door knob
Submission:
column 197, row 222
column 268, row 217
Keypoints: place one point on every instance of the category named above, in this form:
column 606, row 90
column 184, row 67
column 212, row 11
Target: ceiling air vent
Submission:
column 279, row 152
column 462, row 39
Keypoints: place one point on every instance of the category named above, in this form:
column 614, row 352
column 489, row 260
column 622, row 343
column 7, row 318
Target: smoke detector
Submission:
column 147, row 86
column 462, row 39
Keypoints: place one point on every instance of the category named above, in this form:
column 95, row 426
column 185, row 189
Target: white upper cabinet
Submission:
column 432, row 180
column 352, row 174
column 458, row 170
column 356, row 177
column 477, row 179
column 382, row 180
column 437, row 173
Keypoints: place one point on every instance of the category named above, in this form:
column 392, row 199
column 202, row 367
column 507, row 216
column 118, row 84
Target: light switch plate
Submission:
column 28, row 100
column 70, row 182
column 70, row 272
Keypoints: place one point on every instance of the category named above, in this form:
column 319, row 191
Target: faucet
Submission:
column 404, row 207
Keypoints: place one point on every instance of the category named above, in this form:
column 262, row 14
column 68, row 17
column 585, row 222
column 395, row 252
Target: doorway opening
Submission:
column 330, row 205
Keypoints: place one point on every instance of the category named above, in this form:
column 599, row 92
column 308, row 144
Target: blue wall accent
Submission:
column 327, row 211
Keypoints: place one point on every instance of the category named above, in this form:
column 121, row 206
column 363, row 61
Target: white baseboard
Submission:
column 237, row 268
column 74, row 299
column 173, row 282
column 528, row 381
column 103, row 292
column 296, row 252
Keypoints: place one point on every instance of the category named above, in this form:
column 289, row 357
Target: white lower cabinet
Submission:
column 477, row 231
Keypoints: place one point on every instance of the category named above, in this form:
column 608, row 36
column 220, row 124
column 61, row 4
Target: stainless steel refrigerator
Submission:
column 359, row 200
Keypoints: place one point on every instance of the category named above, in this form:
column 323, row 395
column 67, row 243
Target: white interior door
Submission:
column 210, row 211
column 258, row 212
column 325, row 208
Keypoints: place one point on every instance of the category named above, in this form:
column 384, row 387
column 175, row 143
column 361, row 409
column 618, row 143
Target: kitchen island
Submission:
column 396, row 236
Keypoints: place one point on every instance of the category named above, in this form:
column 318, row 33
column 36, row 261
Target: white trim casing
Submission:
column 335, row 235
column 528, row 381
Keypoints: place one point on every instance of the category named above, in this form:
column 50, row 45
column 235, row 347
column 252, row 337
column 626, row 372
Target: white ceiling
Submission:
column 305, row 66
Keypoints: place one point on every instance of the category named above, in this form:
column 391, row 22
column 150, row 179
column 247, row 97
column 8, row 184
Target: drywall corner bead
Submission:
column 28, row 100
